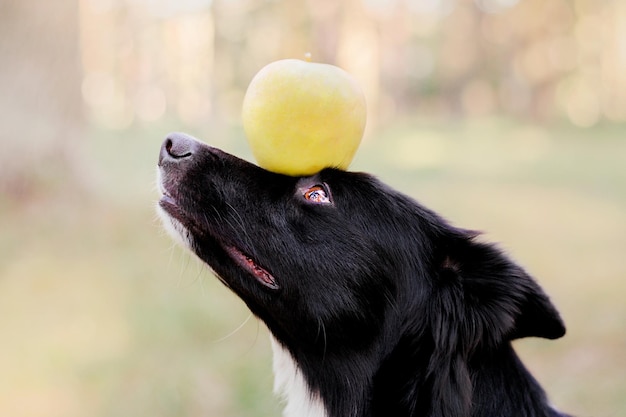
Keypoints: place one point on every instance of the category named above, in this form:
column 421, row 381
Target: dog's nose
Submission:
column 177, row 147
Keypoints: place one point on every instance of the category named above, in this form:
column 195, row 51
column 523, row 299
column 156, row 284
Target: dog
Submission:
column 377, row 306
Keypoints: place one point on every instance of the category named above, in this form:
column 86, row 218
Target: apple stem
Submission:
column 307, row 57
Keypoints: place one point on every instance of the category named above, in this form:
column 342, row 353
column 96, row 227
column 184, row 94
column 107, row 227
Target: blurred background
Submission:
column 506, row 116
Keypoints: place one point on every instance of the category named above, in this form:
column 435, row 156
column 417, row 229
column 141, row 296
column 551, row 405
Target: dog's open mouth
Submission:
column 248, row 264
column 244, row 261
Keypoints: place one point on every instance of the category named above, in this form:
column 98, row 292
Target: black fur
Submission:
column 387, row 309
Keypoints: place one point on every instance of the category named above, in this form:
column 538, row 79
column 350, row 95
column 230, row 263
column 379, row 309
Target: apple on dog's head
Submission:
column 300, row 117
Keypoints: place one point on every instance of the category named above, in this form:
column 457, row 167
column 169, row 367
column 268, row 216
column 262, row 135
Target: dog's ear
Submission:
column 499, row 294
column 480, row 298
column 537, row 315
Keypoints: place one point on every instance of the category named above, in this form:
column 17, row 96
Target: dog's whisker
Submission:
column 243, row 230
column 232, row 333
column 239, row 229
column 321, row 328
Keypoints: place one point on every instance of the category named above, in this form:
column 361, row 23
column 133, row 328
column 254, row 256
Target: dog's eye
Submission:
column 317, row 194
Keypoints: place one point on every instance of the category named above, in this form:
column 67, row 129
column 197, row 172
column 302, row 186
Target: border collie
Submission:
column 376, row 305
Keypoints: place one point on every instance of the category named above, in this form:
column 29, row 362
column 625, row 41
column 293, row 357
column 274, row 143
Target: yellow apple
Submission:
column 300, row 117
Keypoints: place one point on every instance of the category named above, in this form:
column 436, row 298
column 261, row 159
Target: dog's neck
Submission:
column 391, row 391
column 290, row 384
column 332, row 391
column 501, row 374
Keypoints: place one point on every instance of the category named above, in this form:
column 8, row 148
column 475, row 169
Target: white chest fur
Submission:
column 291, row 385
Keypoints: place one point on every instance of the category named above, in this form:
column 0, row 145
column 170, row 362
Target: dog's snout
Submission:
column 177, row 147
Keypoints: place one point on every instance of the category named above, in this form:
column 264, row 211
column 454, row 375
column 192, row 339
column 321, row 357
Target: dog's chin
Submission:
column 174, row 227
column 169, row 213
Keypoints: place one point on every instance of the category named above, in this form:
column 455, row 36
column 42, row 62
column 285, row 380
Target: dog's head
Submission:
column 339, row 259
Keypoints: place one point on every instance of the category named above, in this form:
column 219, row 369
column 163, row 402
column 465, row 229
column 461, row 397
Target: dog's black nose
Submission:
column 177, row 147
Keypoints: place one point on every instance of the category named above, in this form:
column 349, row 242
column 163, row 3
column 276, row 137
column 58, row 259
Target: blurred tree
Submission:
column 531, row 59
column 41, row 104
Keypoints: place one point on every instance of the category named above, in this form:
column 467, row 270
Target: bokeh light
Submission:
column 550, row 53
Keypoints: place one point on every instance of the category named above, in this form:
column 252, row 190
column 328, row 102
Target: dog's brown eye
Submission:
column 317, row 194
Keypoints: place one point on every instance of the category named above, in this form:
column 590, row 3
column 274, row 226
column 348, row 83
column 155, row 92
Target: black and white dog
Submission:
column 377, row 306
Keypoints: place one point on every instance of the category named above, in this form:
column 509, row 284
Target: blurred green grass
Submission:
column 102, row 315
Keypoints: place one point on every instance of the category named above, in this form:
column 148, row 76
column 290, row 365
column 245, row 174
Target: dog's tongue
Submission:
column 248, row 264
